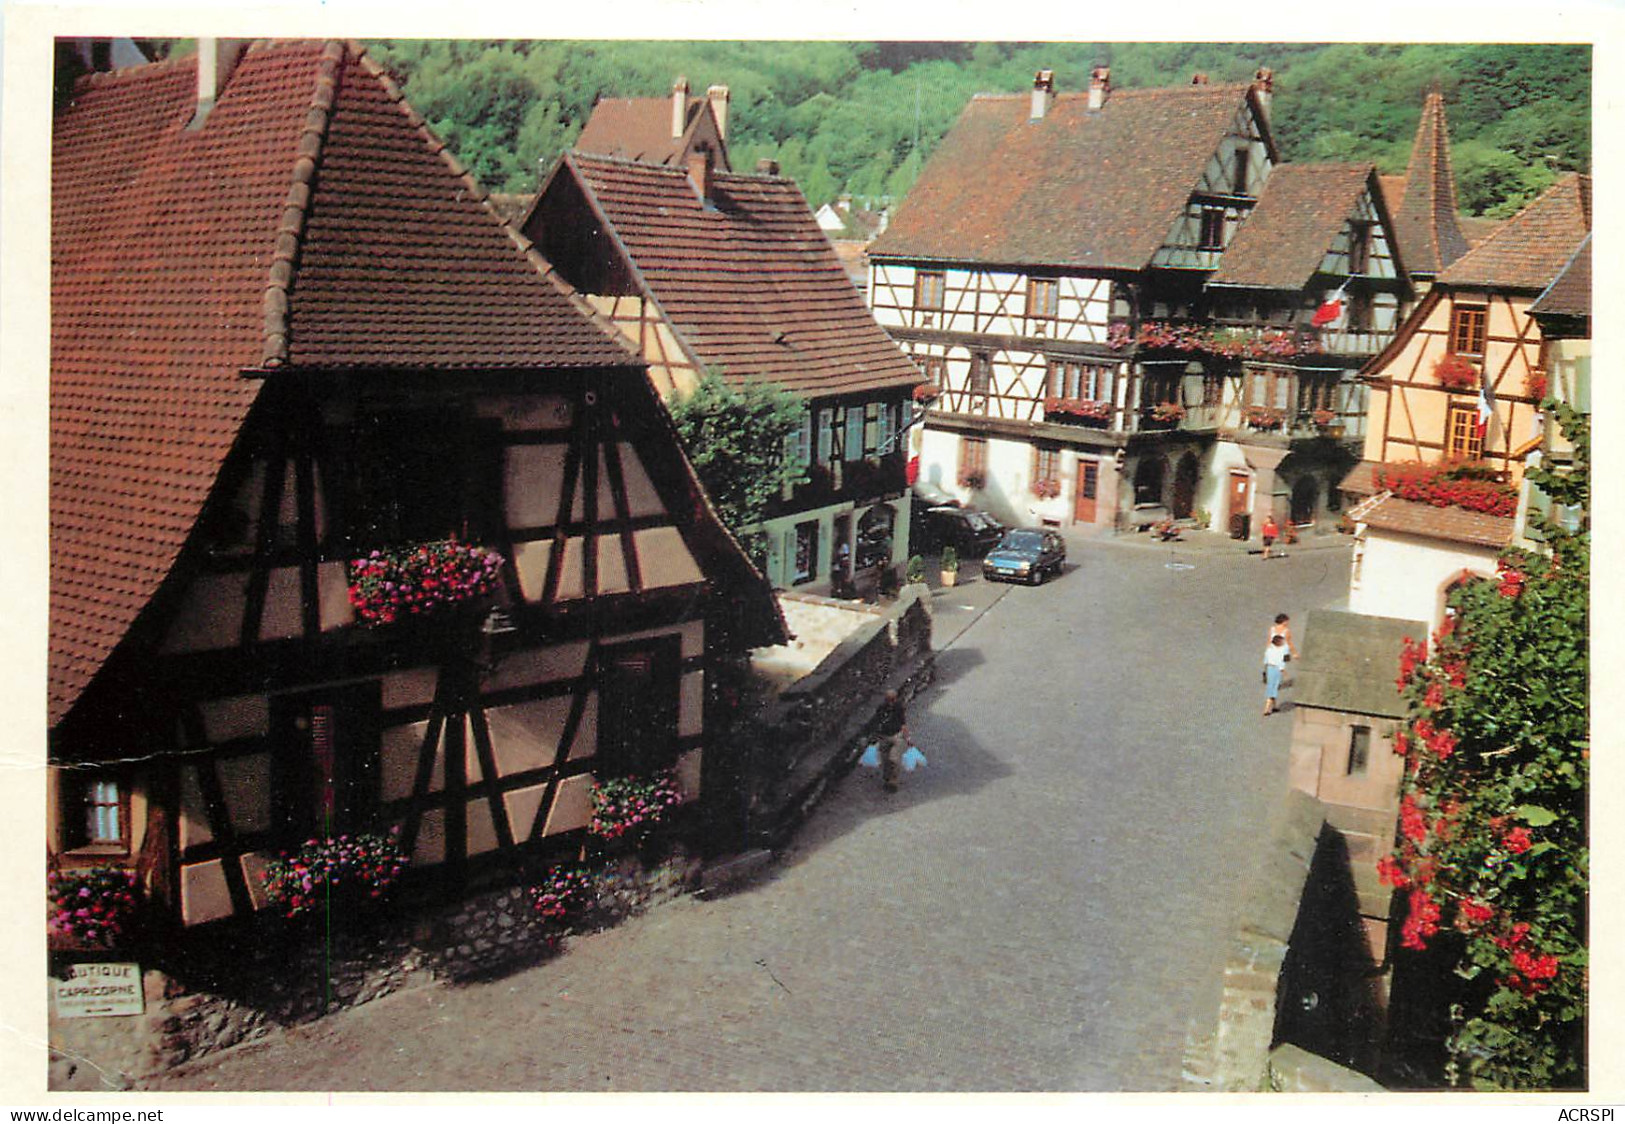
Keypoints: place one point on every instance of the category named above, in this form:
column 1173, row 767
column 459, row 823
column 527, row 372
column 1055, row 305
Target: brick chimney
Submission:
column 1100, row 85
column 718, row 97
column 1043, row 94
column 699, row 170
column 216, row 59
column 679, row 107
column 767, row 166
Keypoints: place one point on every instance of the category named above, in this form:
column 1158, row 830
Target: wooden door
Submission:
column 1240, row 496
column 1088, row 486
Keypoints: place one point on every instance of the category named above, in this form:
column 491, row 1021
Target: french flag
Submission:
column 1331, row 309
column 1486, row 408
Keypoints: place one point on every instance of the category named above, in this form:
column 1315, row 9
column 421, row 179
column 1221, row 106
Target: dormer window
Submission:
column 1212, row 229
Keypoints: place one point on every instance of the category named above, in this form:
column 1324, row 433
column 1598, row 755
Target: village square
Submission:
column 1104, row 611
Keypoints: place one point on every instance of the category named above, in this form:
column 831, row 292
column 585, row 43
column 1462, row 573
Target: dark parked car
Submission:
column 1025, row 554
column 969, row 531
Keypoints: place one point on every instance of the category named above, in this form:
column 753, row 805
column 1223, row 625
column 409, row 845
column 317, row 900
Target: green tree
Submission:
column 735, row 436
column 1492, row 853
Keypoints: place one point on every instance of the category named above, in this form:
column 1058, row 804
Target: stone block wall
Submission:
column 228, row 988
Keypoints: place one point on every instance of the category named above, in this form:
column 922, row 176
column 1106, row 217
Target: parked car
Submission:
column 971, row 532
column 1025, row 554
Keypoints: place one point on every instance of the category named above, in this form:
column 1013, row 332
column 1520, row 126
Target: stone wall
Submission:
column 236, row 985
column 814, row 730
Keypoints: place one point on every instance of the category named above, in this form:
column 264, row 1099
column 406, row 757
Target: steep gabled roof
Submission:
column 640, row 129
column 1570, row 294
column 1298, row 217
column 1426, row 219
column 1531, row 248
column 311, row 221
column 1088, row 188
column 749, row 281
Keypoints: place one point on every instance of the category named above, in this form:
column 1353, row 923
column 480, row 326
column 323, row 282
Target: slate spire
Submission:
column 1429, row 236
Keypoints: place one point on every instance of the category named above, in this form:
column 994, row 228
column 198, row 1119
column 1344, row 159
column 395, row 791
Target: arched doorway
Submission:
column 1305, row 494
column 1185, row 486
column 1148, row 476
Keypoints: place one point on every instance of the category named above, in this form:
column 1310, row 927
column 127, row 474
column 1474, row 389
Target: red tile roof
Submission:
column 1453, row 524
column 182, row 258
column 1429, row 238
column 1531, row 248
column 640, row 129
column 1298, row 217
column 1570, row 294
column 1098, row 189
column 750, row 283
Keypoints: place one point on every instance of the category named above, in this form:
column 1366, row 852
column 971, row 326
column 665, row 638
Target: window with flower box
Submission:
column 325, row 771
column 1462, row 440
column 638, row 700
column 1467, row 329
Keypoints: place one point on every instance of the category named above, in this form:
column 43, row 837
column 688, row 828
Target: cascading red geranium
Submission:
column 1421, row 919
column 1412, row 823
column 389, row 584
column 1517, row 841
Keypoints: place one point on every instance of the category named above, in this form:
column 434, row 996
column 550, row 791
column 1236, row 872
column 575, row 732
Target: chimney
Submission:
column 1199, row 78
column 767, row 166
column 699, row 170
column 1100, row 84
column 1043, row 94
column 718, row 97
column 216, row 59
column 679, row 107
column 1263, row 87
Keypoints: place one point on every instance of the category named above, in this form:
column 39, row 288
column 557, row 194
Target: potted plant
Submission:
column 564, row 893
column 950, row 566
column 914, row 571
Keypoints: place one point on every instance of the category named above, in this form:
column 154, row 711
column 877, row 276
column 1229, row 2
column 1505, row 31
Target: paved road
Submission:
column 1042, row 908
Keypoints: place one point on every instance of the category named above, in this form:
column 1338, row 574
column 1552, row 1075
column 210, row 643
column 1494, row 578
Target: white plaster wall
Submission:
column 1403, row 576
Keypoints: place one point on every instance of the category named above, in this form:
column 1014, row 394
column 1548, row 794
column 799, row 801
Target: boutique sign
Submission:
column 98, row 990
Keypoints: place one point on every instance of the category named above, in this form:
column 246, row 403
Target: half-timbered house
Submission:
column 1458, row 392
column 1119, row 296
column 707, row 271
column 287, row 332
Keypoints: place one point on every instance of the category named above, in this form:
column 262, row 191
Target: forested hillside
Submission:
column 862, row 117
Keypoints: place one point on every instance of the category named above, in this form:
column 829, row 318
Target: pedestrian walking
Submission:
column 1283, row 628
column 1274, row 665
column 893, row 739
column 1271, row 531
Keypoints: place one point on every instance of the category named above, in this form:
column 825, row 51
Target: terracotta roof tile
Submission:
column 640, row 129
column 1570, row 294
column 1098, row 189
column 1298, row 217
column 751, row 283
column 1476, row 228
column 1454, row 524
column 172, row 266
column 1531, row 248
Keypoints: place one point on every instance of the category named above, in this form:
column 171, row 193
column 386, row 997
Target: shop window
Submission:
column 638, row 691
column 324, row 778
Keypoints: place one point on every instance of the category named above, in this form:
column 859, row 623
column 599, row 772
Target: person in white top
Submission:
column 1274, row 664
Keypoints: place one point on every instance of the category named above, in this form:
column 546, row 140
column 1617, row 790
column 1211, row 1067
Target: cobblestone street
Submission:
column 1042, row 908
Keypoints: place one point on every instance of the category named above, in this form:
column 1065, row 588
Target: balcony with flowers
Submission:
column 1079, row 411
column 422, row 580
column 1187, row 336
